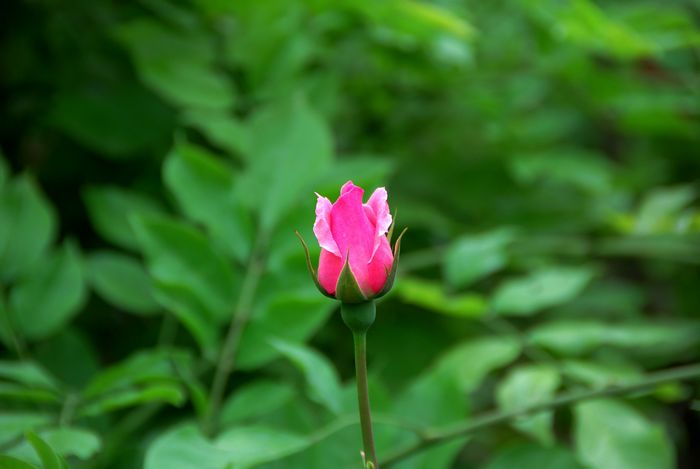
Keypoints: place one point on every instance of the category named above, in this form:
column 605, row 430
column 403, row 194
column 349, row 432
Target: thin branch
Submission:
column 440, row 435
column 240, row 317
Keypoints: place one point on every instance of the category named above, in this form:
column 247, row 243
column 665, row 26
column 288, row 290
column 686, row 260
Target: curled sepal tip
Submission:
column 310, row 266
column 391, row 275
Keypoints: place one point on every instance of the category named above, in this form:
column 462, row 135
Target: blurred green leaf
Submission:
column 582, row 336
column 184, row 447
column 204, row 188
column 70, row 357
column 192, row 279
column 584, row 170
column 610, row 434
column 472, row 257
column 170, row 393
column 28, row 374
column 321, row 377
column 530, row 456
column 255, row 399
column 62, row 442
column 116, row 122
column 430, row 295
column 177, row 64
column 49, row 458
column 14, row 424
column 48, row 300
column 290, row 148
column 8, row 462
column 110, row 208
column 146, row 366
column 439, row 394
column 525, row 386
column 27, row 227
column 659, row 211
column 220, row 128
column 289, row 316
column 599, row 374
column 122, row 281
column 541, row 289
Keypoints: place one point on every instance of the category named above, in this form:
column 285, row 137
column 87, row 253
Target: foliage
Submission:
column 158, row 156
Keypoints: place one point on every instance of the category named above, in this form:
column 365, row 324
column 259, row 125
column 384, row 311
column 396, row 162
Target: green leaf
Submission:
column 15, row 424
column 590, row 172
column 256, row 399
column 184, row 447
column 289, row 315
column 610, row 434
column 27, row 373
column 114, row 121
column 438, row 395
column 525, row 386
column 148, row 376
column 204, row 188
column 122, row 281
column 253, row 445
column 530, row 456
column 321, row 377
column 290, row 148
column 110, row 209
column 177, row 63
column 170, row 393
column 220, row 128
column 27, row 227
column 48, row 300
column 8, row 462
column 144, row 367
column 660, row 210
column 541, row 289
column 655, row 340
column 601, row 374
column 192, row 279
column 49, row 446
column 48, row 456
column 472, row 257
column 70, row 356
column 431, row 295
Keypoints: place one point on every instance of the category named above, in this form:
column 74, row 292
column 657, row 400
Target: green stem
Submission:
column 360, row 340
column 359, row 317
column 438, row 436
column 227, row 357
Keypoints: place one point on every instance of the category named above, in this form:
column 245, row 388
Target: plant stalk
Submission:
column 359, row 317
column 489, row 419
column 370, row 454
column 227, row 357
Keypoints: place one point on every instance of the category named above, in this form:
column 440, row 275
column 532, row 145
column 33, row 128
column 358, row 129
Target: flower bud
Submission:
column 356, row 263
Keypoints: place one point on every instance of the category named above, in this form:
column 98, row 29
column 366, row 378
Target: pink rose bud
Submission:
column 356, row 262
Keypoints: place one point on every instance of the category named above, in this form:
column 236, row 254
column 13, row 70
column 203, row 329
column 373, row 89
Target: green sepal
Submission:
column 310, row 266
column 347, row 290
column 391, row 275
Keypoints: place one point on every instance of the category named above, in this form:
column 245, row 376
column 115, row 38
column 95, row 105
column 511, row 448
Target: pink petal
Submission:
column 347, row 187
column 379, row 207
column 380, row 265
column 329, row 267
column 353, row 232
column 322, row 225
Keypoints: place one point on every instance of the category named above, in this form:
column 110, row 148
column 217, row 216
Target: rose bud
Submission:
column 356, row 262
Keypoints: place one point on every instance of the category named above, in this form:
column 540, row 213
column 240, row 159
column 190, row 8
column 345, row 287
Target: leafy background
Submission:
column 157, row 157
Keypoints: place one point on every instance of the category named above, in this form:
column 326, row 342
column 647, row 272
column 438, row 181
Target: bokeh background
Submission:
column 158, row 155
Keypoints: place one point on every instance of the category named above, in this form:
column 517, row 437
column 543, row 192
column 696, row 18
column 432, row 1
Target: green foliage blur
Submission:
column 158, row 155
